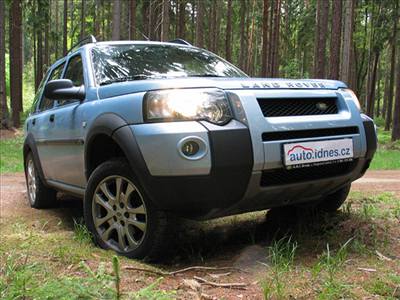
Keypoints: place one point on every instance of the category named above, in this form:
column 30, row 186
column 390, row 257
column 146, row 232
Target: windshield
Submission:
column 114, row 63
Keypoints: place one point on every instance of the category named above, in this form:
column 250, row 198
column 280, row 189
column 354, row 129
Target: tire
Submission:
column 332, row 202
column 39, row 195
column 125, row 221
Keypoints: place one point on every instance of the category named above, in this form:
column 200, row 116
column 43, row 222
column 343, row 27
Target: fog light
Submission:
column 190, row 148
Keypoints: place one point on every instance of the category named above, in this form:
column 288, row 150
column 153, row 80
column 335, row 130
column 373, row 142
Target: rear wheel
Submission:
column 119, row 214
column 39, row 195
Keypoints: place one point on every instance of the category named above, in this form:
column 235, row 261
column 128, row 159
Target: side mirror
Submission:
column 63, row 89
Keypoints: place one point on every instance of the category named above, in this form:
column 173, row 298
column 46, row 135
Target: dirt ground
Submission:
column 234, row 248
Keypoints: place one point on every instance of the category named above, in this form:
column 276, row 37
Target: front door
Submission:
column 67, row 132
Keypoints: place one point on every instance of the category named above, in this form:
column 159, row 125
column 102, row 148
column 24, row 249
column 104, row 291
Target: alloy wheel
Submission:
column 119, row 213
column 31, row 179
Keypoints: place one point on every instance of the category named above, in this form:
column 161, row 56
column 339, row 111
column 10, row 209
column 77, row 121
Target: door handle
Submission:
column 51, row 118
column 33, row 122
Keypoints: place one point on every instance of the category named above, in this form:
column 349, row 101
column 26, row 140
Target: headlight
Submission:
column 348, row 93
column 187, row 104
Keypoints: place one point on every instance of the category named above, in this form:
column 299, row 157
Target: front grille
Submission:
column 309, row 133
column 284, row 176
column 298, row 106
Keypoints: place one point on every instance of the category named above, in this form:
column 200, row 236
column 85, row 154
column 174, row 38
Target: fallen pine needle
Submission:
column 162, row 273
column 366, row 269
column 235, row 285
column 382, row 257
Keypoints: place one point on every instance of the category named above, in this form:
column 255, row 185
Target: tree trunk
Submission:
column 336, row 39
column 132, row 19
column 96, row 18
column 165, row 21
column 228, row 40
column 243, row 39
column 65, row 28
column 396, row 115
column 16, row 61
column 83, row 23
column 320, row 38
column 389, row 107
column 46, row 60
column 145, row 18
column 275, row 39
column 371, row 92
column 212, row 25
column 249, row 63
column 386, row 91
column 181, row 19
column 265, row 44
column 116, row 20
column 347, row 42
column 199, row 24
column 4, row 119
column 217, row 27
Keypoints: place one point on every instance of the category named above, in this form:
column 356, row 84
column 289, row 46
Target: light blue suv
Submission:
column 145, row 131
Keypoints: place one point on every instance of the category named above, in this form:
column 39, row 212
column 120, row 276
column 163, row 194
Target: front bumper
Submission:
column 230, row 178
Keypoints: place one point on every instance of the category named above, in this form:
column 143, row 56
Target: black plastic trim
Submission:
column 309, row 133
column 61, row 142
column 371, row 138
column 197, row 196
column 30, row 146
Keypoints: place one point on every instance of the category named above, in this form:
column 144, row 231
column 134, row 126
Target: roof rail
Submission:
column 180, row 41
column 87, row 40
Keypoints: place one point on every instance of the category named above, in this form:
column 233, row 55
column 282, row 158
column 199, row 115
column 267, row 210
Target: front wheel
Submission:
column 119, row 214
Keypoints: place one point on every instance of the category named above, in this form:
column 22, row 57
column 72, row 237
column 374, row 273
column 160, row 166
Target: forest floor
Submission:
column 354, row 253
column 278, row 254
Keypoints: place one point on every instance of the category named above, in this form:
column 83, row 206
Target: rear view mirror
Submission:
column 63, row 89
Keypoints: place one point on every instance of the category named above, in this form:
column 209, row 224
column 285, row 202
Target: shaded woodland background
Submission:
column 357, row 41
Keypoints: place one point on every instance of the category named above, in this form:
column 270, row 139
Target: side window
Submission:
column 46, row 103
column 74, row 72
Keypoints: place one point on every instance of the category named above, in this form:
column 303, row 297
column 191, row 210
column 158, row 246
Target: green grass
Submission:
column 11, row 155
column 386, row 160
column 387, row 156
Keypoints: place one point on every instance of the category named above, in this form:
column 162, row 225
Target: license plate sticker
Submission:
column 312, row 153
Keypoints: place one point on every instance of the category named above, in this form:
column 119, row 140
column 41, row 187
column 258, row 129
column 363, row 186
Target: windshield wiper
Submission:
column 204, row 75
column 123, row 79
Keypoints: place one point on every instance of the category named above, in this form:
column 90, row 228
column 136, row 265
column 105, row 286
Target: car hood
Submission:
column 121, row 88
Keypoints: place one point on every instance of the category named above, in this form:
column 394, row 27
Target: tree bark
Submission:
column 396, row 115
column 320, row 38
column 228, row 40
column 165, row 21
column 212, row 26
column 96, row 18
column 181, row 19
column 243, row 39
column 199, row 24
column 132, row 19
column 16, row 61
column 65, row 28
column 4, row 119
column 336, row 39
column 389, row 101
column 83, row 23
column 275, row 39
column 116, row 20
column 371, row 91
column 347, row 42
column 265, row 44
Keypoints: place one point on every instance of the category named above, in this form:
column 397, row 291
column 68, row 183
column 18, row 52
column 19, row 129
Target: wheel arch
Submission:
column 30, row 147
